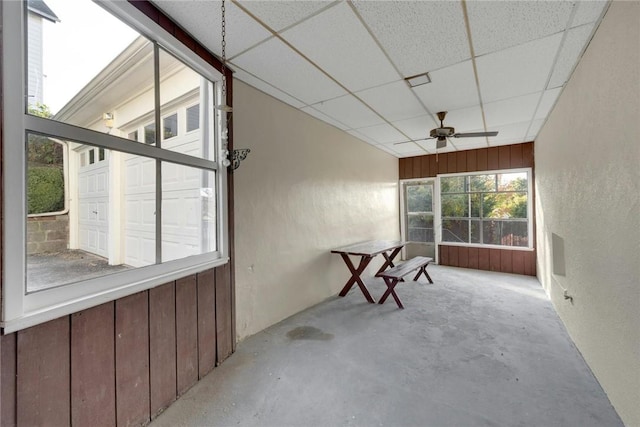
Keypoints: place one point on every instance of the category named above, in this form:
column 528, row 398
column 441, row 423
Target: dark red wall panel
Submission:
column 224, row 339
column 132, row 360
column 93, row 377
column 186, row 333
column 43, row 369
column 207, row 344
column 162, row 347
column 8, row 380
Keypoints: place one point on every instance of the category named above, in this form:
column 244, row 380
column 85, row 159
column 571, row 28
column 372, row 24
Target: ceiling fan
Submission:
column 444, row 132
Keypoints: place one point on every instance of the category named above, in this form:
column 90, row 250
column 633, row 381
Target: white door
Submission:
column 93, row 201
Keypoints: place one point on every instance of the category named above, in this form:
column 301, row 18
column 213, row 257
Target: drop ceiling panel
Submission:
column 343, row 48
column 451, row 88
column 288, row 72
column 519, row 22
column 534, row 129
column 510, row 134
column 588, row 11
column 547, row 102
column 518, row 70
column 465, row 120
column 418, row 36
column 203, row 20
column 394, row 101
column 361, row 137
column 409, row 147
column 321, row 116
column 282, row 14
column 382, row 134
column 512, row 110
column 266, row 88
column 470, row 143
column 349, row 111
column 570, row 53
column 416, row 127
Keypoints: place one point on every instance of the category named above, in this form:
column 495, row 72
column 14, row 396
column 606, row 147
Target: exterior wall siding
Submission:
column 492, row 158
column 122, row 362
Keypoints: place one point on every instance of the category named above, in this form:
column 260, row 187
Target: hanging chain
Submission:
column 224, row 54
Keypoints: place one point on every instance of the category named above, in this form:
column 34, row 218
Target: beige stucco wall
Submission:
column 588, row 185
column 305, row 188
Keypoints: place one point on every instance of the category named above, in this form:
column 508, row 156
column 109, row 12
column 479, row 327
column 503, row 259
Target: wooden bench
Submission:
column 395, row 274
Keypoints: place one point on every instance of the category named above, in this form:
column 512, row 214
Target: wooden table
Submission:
column 367, row 251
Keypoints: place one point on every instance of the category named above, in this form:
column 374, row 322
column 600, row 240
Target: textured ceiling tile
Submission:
column 349, row 111
column 266, row 88
column 321, row 116
column 497, row 25
column 470, row 143
column 407, row 148
column 394, row 101
column 418, row 35
column 512, row 110
column 282, row 14
column 451, row 88
column 203, row 21
column 342, row 47
column 387, row 150
column 534, row 129
column 362, row 137
column 570, row 52
column 288, row 71
column 547, row 102
column 588, row 11
column 416, row 127
column 465, row 120
column 518, row 70
column 510, row 134
column 382, row 134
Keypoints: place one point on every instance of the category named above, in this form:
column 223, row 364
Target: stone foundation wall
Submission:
column 47, row 234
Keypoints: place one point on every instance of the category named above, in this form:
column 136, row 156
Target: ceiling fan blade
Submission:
column 411, row 140
column 474, row 134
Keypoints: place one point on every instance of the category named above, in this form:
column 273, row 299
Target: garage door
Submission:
column 93, row 201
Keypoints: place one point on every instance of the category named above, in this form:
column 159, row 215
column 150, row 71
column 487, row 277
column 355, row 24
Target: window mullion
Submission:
column 158, row 218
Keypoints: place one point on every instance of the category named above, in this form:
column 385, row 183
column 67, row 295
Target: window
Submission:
column 487, row 208
column 170, row 126
column 139, row 214
column 193, row 117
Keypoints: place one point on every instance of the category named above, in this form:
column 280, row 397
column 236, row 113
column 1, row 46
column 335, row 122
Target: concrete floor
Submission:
column 474, row 349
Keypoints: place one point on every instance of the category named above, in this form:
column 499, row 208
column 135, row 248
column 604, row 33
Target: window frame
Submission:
column 529, row 219
column 21, row 309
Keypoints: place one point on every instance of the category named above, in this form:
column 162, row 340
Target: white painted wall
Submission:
column 305, row 188
column 588, row 186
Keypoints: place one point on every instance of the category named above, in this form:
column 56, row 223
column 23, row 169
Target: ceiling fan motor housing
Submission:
column 442, row 131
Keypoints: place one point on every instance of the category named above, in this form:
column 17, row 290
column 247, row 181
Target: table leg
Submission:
column 388, row 260
column 355, row 276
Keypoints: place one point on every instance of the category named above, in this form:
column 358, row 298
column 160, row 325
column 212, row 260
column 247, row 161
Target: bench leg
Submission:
column 391, row 283
column 423, row 269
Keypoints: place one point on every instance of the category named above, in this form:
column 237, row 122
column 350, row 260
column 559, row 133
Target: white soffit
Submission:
column 288, row 71
column 266, row 88
column 518, row 70
column 321, row 116
column 518, row 21
column 382, row 134
column 416, row 127
column 512, row 110
column 279, row 15
column 394, row 101
column 570, row 52
column 341, row 46
column 419, row 36
column 350, row 111
column 242, row 31
column 451, row 88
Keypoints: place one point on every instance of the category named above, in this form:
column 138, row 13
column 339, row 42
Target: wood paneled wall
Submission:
column 120, row 363
column 492, row 158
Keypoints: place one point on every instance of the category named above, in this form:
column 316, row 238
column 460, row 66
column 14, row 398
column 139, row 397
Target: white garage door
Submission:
column 93, row 201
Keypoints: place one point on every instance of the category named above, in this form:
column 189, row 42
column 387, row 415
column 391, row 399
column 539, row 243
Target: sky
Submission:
column 85, row 40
